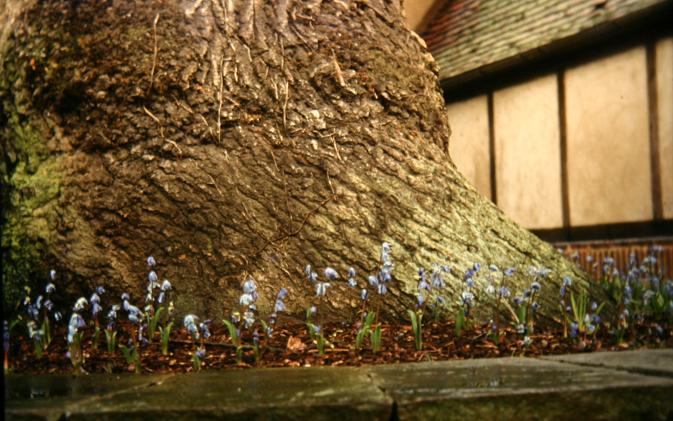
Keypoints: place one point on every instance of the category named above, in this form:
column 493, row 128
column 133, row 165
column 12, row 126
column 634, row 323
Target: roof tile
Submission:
column 467, row 34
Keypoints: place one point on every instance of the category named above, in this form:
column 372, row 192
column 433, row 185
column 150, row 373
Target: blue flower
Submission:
column 203, row 327
column 437, row 279
column 386, row 249
column 373, row 280
column 504, row 292
column 33, row 311
column 255, row 337
column 520, row 329
column 628, row 294
column 282, row 293
column 321, row 288
column 574, row 329
column 493, row 268
column 201, row 353
column 80, row 304
column 421, row 299
column 77, row 321
column 250, row 287
column 166, row 285
column 509, row 271
column 151, row 262
column 331, row 274
column 469, row 274
column 57, row 316
column 363, row 294
column 535, row 286
column 310, row 275
column 112, row 314
column 467, row 298
column 48, row 304
column 248, row 318
column 131, row 309
column 246, row 299
column 562, row 291
column 518, row 300
column 125, row 297
column 95, row 309
column 351, row 278
column 535, row 306
column 50, row 288
column 279, row 306
column 152, row 276
column 594, row 306
column 5, row 336
column 476, row 267
column 190, row 324
column 94, row 299
column 52, row 275
column 100, row 290
column 382, row 289
column 384, row 275
column 541, row 272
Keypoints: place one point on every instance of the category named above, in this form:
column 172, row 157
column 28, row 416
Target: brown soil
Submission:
column 284, row 349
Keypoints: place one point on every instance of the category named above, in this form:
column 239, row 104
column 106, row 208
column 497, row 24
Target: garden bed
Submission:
column 292, row 346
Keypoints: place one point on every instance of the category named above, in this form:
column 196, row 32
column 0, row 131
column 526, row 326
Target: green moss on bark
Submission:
column 31, row 190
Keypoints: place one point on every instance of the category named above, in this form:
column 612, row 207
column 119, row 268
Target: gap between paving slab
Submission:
column 516, row 388
column 502, row 388
column 657, row 362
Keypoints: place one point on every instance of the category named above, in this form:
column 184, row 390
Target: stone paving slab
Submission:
column 651, row 361
column 505, row 388
column 48, row 397
column 516, row 388
column 308, row 393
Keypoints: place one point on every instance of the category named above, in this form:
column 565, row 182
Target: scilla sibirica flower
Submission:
column 279, row 305
column 165, row 287
column 80, row 304
column 189, row 322
column 310, row 275
column 95, row 304
column 351, row 278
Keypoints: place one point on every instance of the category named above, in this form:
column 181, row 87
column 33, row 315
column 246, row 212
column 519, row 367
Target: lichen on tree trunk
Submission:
column 234, row 138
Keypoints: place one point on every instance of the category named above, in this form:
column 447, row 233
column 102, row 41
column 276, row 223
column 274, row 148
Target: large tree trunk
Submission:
column 234, row 138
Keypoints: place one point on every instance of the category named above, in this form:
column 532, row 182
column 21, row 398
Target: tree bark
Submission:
column 235, row 138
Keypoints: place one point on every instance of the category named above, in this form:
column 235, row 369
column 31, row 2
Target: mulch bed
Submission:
column 291, row 346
